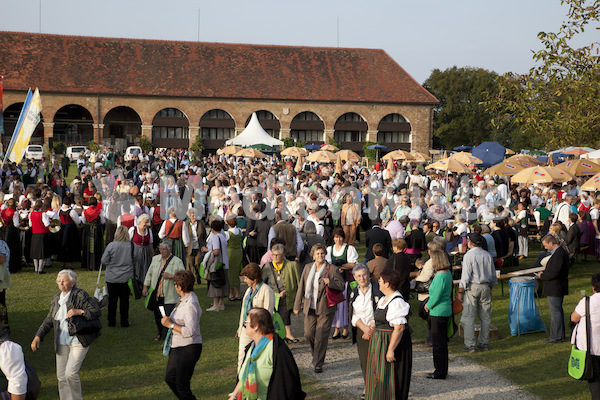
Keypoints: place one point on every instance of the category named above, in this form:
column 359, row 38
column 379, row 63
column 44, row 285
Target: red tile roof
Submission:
column 75, row 64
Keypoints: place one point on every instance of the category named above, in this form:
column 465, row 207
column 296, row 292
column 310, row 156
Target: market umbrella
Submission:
column 537, row 153
column 322, row 156
column 312, row 147
column 338, row 165
column 578, row 151
column 420, row 157
column 524, row 159
column 509, row 151
column 348, row 155
column 489, row 153
column 377, row 147
column 263, row 147
column 449, row 165
column 229, row 150
column 541, row 174
column 294, row 152
column 580, row 167
column 298, row 166
column 398, row 155
column 592, row 184
column 505, row 169
column 465, row 158
column 251, row 153
column 328, row 147
column 463, row 148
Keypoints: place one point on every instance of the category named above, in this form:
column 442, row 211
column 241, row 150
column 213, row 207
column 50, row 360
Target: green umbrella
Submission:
column 263, row 148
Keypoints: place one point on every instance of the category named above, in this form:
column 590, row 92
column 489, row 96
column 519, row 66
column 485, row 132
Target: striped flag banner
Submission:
column 28, row 121
column 1, row 106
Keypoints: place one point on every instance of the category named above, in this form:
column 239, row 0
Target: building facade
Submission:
column 115, row 91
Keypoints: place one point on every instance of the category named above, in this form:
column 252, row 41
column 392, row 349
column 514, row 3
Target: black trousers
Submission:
column 439, row 339
column 161, row 330
column 118, row 292
column 180, row 368
column 594, row 383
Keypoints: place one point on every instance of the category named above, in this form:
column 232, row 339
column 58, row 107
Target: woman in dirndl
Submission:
column 69, row 245
column 142, row 238
column 234, row 252
column 172, row 229
column 93, row 240
column 39, row 222
column 389, row 364
column 343, row 256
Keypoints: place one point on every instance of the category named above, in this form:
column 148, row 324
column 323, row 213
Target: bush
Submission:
column 197, row 146
column 146, row 145
column 334, row 142
column 59, row 148
column 370, row 154
column 93, row 146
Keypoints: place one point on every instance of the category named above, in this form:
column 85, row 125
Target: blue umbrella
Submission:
column 463, row 148
column 312, row 146
column 491, row 153
column 377, row 147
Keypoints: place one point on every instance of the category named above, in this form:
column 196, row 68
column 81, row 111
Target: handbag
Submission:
column 218, row 277
column 457, row 306
column 100, row 295
column 423, row 313
column 79, row 325
column 333, row 296
column 33, row 382
column 423, row 287
column 452, row 328
column 152, row 298
column 580, row 361
column 135, row 285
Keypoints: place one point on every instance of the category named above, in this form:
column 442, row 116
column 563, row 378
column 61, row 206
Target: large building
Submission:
column 115, row 91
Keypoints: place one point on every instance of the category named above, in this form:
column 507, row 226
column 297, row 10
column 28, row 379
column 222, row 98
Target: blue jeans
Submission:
column 557, row 318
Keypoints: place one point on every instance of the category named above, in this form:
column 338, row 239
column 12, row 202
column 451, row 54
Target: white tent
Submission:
column 592, row 154
column 254, row 134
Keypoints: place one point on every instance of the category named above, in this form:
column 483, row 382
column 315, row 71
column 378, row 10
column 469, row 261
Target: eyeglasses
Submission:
column 246, row 322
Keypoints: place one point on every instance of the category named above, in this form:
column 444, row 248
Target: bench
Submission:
column 514, row 274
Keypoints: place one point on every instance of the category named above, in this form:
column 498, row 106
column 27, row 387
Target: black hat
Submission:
column 476, row 239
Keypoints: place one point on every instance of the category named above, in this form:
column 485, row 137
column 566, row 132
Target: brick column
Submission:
column 284, row 133
column 328, row 134
column 48, row 131
column 371, row 136
column 147, row 132
column 98, row 133
column 194, row 132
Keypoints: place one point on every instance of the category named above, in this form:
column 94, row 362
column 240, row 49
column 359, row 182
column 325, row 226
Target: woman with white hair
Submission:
column 70, row 349
column 172, row 229
column 142, row 238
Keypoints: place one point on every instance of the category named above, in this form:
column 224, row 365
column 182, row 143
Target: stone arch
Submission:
column 11, row 116
column 395, row 131
column 122, row 125
column 216, row 127
column 170, row 128
column 308, row 126
column 73, row 125
column 268, row 121
column 350, row 130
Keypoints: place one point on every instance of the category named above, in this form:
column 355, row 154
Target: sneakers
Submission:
column 469, row 349
column 483, row 347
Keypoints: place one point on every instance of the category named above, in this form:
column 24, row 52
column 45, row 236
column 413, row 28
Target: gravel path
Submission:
column 466, row 379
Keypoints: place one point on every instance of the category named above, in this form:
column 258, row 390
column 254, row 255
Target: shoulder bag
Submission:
column 218, row 277
column 152, row 298
column 333, row 296
column 580, row 361
column 79, row 325
column 277, row 320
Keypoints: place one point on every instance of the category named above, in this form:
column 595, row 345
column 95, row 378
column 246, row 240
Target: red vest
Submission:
column 7, row 215
column 37, row 226
column 156, row 220
column 141, row 240
column 127, row 220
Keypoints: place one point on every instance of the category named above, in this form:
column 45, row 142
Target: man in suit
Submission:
column 556, row 286
column 377, row 235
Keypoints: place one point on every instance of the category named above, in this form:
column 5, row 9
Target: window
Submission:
column 307, row 136
column 169, row 132
column 349, row 136
column 217, row 133
column 170, row 112
column 393, row 137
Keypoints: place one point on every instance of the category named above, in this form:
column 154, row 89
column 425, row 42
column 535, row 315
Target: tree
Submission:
column 461, row 116
column 146, row 145
column 557, row 102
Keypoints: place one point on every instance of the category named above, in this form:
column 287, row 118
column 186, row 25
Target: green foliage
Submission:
column 146, row 145
column 332, row 141
column 93, row 146
column 370, row 154
column 558, row 100
column 59, row 147
column 288, row 142
column 461, row 117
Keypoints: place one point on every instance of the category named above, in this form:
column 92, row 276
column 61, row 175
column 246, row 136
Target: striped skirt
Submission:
column 386, row 381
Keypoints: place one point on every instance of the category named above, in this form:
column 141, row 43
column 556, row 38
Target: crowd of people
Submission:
column 289, row 232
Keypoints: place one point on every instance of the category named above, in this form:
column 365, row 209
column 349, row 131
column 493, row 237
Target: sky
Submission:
column 420, row 35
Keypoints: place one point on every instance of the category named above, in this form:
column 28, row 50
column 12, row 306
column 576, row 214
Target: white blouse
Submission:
column 351, row 255
column 397, row 309
column 363, row 307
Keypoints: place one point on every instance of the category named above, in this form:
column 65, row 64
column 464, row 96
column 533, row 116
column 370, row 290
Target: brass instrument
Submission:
column 54, row 226
column 23, row 223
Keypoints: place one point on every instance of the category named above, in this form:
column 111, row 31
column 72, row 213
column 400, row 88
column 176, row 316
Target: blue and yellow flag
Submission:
column 28, row 121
